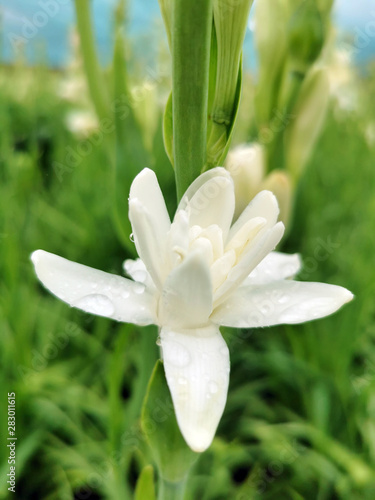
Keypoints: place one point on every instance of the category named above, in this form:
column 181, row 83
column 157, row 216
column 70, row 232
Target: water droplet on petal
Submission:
column 96, row 304
column 284, row 299
column 139, row 288
column 131, row 237
column 158, row 341
column 213, row 387
column 125, row 294
column 140, row 276
column 176, row 354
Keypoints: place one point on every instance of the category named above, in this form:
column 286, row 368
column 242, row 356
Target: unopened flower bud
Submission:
column 306, row 36
column 280, row 184
column 246, row 166
column 310, row 113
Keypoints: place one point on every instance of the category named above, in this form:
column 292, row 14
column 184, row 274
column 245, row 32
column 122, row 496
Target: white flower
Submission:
column 192, row 276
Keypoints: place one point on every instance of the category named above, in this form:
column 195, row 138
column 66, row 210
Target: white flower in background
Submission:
column 246, row 164
column 343, row 81
column 193, row 275
column 81, row 123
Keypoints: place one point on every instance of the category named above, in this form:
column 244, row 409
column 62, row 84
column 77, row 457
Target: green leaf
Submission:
column 221, row 134
column 145, row 485
column 236, row 107
column 168, row 129
column 172, row 455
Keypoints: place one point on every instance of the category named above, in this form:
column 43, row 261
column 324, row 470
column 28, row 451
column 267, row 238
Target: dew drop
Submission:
column 125, row 294
column 176, row 354
column 284, row 299
column 96, row 304
column 131, row 237
column 139, row 288
column 158, row 341
column 140, row 276
column 213, row 387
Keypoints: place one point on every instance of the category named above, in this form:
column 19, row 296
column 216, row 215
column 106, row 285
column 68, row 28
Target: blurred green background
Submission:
column 300, row 417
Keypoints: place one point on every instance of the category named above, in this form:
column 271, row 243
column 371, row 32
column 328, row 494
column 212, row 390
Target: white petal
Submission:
column 221, row 267
column 213, row 204
column 150, row 222
column 196, row 364
column 138, row 272
column 198, row 183
column 187, row 294
column 178, row 239
column 95, row 291
column 275, row 266
column 145, row 188
column 281, row 302
column 263, row 205
column 149, row 243
column 255, row 251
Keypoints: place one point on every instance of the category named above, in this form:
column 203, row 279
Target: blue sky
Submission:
column 52, row 34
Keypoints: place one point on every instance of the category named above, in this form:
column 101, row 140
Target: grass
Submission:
column 299, row 422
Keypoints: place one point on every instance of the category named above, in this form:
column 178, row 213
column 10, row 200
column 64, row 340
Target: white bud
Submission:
column 246, row 166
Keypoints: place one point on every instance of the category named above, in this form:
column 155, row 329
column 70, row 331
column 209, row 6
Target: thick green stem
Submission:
column 90, row 61
column 171, row 491
column 191, row 42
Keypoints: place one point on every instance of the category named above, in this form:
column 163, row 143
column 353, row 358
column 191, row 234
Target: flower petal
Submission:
column 196, row 364
column 187, row 294
column 138, row 272
column 263, row 205
column 150, row 222
column 211, row 202
column 198, row 183
column 255, row 251
column 178, row 239
column 275, row 266
column 95, row 291
column 281, row 302
column 149, row 243
column 145, row 188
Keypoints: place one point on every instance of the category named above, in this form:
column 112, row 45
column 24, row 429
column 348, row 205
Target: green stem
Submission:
column 92, row 68
column 171, row 491
column 191, row 42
